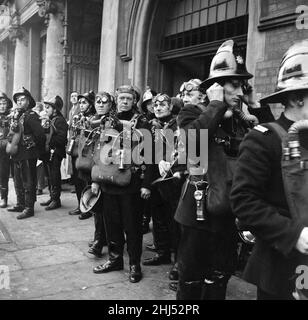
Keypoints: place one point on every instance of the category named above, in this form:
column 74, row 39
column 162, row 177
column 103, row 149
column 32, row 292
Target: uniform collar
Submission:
column 285, row 122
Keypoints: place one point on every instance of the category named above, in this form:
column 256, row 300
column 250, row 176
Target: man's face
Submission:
column 162, row 109
column 3, row 105
column 22, row 102
column 83, row 104
column 192, row 97
column 102, row 105
column 150, row 106
column 74, row 98
column 232, row 92
column 125, row 102
column 49, row 110
column 304, row 109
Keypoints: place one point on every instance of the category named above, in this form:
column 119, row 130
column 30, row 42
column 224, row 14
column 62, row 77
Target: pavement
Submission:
column 47, row 259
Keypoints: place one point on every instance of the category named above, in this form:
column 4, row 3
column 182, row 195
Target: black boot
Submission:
column 191, row 290
column 46, row 203
column 115, row 261
column 27, row 213
column 55, row 204
column 16, row 208
column 135, row 274
column 157, row 260
column 215, row 287
column 3, row 201
column 174, row 273
column 99, row 236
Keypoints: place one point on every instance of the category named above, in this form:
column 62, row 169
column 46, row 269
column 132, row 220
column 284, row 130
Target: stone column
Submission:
column 3, row 66
column 21, row 61
column 108, row 54
column 54, row 80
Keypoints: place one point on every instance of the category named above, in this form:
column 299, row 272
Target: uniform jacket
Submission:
column 210, row 118
column 258, row 200
column 32, row 127
column 59, row 138
column 4, row 130
column 136, row 182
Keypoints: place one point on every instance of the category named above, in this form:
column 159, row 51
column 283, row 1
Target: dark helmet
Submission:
column 147, row 96
column 293, row 73
column 89, row 96
column 24, row 92
column 89, row 201
column 127, row 89
column 9, row 101
column 56, row 102
column 227, row 63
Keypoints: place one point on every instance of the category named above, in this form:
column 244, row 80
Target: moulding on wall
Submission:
column 278, row 21
column 128, row 54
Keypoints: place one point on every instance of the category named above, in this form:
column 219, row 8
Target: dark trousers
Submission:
column 123, row 216
column 205, row 255
column 165, row 229
column 78, row 183
column 4, row 174
column 40, row 172
column 53, row 172
column 25, row 182
column 99, row 224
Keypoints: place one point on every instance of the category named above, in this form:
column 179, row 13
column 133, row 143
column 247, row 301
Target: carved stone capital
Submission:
column 46, row 7
column 15, row 32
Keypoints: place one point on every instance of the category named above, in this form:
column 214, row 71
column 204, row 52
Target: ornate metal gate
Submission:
column 83, row 67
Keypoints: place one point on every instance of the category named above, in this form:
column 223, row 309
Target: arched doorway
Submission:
column 185, row 34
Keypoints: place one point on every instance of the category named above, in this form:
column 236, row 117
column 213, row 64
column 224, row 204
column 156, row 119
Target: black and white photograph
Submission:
column 154, row 153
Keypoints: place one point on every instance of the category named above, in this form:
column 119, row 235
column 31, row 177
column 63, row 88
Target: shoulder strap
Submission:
column 278, row 129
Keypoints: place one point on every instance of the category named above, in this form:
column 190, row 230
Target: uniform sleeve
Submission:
column 59, row 138
column 209, row 119
column 37, row 130
column 249, row 194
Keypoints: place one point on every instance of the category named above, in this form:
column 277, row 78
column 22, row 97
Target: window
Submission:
column 194, row 22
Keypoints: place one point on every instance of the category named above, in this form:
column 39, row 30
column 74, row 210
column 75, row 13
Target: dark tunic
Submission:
column 259, row 201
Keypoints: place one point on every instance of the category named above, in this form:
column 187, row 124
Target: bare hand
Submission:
column 145, row 193
column 95, row 188
column 302, row 243
column 164, row 167
column 215, row 92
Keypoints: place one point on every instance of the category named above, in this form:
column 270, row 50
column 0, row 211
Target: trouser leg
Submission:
column 206, row 277
column 132, row 225
column 4, row 176
column 160, row 224
column 29, row 179
column 55, row 178
column 114, row 227
column 18, row 184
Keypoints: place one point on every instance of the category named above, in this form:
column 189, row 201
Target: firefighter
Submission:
column 259, row 195
column 87, row 111
column 5, row 108
column 56, row 139
column 121, row 205
column 207, row 254
column 30, row 143
column 165, row 228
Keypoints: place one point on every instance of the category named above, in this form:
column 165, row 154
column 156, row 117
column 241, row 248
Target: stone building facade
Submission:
column 55, row 47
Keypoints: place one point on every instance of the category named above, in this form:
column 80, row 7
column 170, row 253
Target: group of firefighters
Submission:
column 252, row 182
